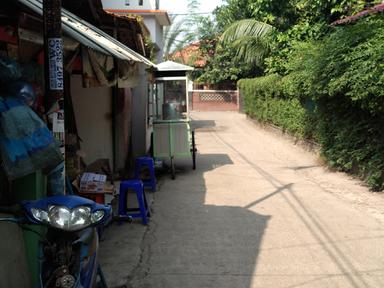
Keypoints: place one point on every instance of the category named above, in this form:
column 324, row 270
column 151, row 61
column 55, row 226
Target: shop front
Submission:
column 99, row 76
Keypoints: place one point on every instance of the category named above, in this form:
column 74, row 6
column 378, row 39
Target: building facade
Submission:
column 154, row 18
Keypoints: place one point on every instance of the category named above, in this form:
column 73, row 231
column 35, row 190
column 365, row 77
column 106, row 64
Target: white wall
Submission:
column 151, row 23
column 93, row 107
column 133, row 4
column 155, row 29
column 160, row 42
column 156, row 32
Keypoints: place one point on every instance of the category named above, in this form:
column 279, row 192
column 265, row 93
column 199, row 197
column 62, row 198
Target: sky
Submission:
column 179, row 6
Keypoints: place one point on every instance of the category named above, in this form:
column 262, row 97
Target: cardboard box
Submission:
column 93, row 183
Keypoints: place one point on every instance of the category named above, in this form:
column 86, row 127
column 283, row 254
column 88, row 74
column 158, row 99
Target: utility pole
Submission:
column 53, row 53
column 53, row 69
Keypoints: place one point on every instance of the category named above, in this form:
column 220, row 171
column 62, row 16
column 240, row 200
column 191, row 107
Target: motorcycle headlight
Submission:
column 80, row 218
column 63, row 218
column 71, row 220
column 97, row 216
column 40, row 215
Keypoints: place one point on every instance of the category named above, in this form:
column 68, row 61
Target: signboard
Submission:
column 55, row 62
column 58, row 122
column 58, row 128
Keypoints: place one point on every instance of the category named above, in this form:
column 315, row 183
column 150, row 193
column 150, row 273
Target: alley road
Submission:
column 260, row 211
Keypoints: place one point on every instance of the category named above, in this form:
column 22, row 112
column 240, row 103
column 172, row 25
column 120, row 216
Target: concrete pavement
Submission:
column 258, row 211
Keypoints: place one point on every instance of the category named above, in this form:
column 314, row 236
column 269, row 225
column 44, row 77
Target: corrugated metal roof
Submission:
column 89, row 35
column 173, row 66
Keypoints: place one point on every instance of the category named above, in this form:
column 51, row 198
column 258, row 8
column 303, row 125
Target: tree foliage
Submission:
column 294, row 20
column 232, row 11
column 250, row 40
column 347, row 62
column 223, row 66
column 285, row 14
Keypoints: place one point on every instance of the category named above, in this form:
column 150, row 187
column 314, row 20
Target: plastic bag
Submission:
column 9, row 70
column 26, row 144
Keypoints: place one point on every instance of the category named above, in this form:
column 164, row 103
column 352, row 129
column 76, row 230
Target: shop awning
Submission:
column 89, row 35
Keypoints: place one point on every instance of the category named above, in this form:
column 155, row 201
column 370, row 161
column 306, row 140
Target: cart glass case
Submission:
column 170, row 99
column 172, row 135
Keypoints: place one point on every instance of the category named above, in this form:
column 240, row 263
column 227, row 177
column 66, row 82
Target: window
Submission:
column 141, row 2
column 127, row 2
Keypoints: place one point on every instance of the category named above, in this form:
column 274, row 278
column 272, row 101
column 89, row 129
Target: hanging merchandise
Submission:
column 26, row 144
column 129, row 74
column 9, row 70
column 98, row 69
column 58, row 127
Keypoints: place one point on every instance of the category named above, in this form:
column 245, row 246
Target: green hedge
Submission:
column 264, row 100
column 352, row 140
column 343, row 77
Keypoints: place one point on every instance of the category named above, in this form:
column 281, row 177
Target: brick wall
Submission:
column 214, row 100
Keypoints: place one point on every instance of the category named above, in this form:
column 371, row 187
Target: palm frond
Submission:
column 246, row 27
column 193, row 6
column 252, row 49
column 181, row 32
column 171, row 34
column 249, row 38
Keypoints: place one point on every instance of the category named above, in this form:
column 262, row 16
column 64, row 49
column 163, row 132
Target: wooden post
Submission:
column 53, row 53
column 54, row 73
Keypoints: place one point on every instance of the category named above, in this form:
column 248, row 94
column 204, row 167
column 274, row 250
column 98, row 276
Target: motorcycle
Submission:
column 69, row 249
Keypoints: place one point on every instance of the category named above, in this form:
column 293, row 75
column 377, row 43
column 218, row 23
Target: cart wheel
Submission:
column 193, row 150
column 173, row 169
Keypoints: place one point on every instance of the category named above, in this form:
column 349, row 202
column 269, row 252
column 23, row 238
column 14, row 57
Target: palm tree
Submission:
column 250, row 39
column 172, row 33
column 181, row 31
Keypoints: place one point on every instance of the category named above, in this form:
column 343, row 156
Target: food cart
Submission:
column 172, row 134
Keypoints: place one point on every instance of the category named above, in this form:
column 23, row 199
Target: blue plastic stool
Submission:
column 146, row 162
column 138, row 188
